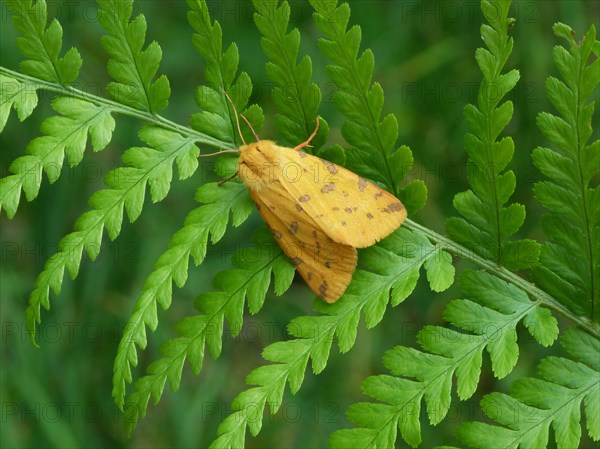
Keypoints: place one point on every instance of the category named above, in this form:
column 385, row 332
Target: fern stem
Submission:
column 505, row 274
column 118, row 108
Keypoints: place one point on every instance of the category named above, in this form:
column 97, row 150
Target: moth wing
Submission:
column 325, row 265
column 348, row 208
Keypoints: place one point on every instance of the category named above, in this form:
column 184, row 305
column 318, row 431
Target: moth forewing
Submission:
column 325, row 265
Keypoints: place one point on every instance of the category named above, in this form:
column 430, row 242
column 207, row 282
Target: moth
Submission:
column 318, row 212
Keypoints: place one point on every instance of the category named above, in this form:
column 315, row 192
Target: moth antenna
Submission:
column 237, row 120
column 307, row 141
column 250, row 126
column 218, row 152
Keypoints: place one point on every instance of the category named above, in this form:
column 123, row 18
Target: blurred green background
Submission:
column 60, row 395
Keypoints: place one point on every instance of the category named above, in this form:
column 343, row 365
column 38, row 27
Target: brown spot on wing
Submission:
column 296, row 261
column 362, row 184
column 394, row 207
column 331, row 167
column 370, row 216
column 294, row 227
column 304, row 198
column 379, row 194
column 276, row 233
column 299, row 208
column 348, row 210
column 327, row 188
column 323, row 289
column 344, row 223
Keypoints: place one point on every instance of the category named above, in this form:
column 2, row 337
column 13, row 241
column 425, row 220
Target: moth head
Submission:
column 257, row 163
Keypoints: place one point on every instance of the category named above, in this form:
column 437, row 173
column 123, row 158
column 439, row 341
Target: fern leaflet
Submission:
column 20, row 96
column 207, row 220
column 217, row 118
column 486, row 320
column 249, row 279
column 390, row 270
column 296, row 97
column 127, row 189
column 65, row 134
column 488, row 224
column 534, row 404
column 191, row 240
column 42, row 44
column 570, row 261
column 132, row 67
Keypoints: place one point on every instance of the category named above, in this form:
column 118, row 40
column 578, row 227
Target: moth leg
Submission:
column 223, row 181
column 307, row 141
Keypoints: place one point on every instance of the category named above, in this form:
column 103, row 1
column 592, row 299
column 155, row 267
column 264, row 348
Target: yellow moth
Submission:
column 318, row 212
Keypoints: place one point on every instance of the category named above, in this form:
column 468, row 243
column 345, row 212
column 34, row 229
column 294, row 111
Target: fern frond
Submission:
column 217, row 117
column 488, row 222
column 249, row 279
column 127, row 189
column 296, row 97
column 212, row 218
column 391, row 268
column 486, row 320
column 570, row 261
column 42, row 44
column 389, row 273
column 373, row 140
column 208, row 220
column 534, row 404
column 130, row 65
column 65, row 134
column 20, row 96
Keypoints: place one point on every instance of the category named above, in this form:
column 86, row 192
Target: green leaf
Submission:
column 208, row 221
column 487, row 320
column 217, row 118
column 42, row 44
column 296, row 97
column 126, row 189
column 65, row 134
column 533, row 405
column 489, row 223
column 572, row 223
column 20, row 96
column 249, row 280
column 440, row 271
column 392, row 264
column 132, row 67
